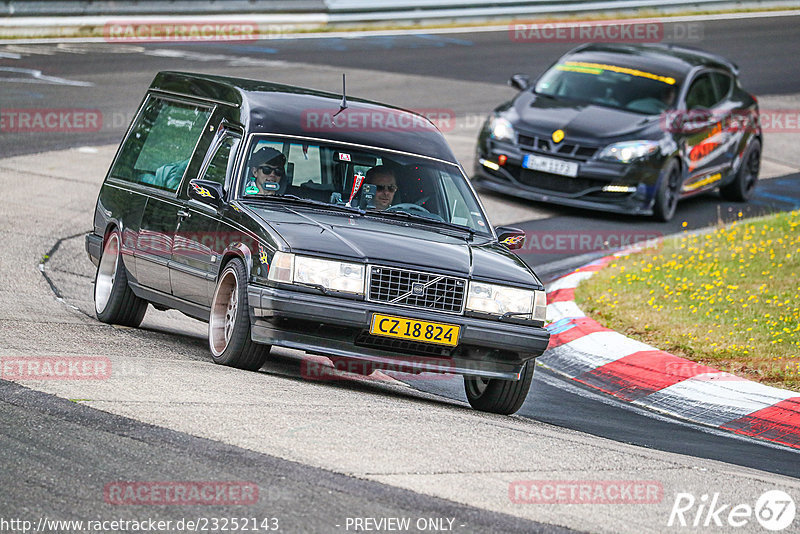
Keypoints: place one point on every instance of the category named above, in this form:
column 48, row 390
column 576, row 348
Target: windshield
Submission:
column 378, row 182
column 607, row 85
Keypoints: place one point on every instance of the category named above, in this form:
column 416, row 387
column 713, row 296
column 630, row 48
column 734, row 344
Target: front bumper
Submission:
column 334, row 326
column 583, row 191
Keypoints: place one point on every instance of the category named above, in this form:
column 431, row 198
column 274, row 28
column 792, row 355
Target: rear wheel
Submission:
column 114, row 301
column 668, row 192
column 499, row 396
column 229, row 323
column 740, row 188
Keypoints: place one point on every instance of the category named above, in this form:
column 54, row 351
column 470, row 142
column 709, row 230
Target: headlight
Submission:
column 501, row 129
column 628, row 151
column 501, row 300
column 332, row 275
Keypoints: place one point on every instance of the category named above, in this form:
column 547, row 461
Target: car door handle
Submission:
column 183, row 214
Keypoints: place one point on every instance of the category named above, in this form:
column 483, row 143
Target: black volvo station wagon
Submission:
column 289, row 217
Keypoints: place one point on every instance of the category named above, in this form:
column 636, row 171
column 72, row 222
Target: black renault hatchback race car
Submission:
column 289, row 217
column 624, row 128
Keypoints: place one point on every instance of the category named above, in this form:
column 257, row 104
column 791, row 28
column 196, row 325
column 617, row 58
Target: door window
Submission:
column 701, row 93
column 221, row 164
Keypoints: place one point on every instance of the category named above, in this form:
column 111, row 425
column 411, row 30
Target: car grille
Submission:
column 397, row 286
column 559, row 184
column 565, row 148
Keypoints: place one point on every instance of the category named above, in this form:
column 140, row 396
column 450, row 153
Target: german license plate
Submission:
column 411, row 329
column 551, row 165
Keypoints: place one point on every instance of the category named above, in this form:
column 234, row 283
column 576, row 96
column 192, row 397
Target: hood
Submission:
column 543, row 115
column 390, row 242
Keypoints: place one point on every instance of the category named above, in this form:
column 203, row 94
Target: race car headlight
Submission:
column 330, row 275
column 506, row 301
column 628, row 151
column 501, row 129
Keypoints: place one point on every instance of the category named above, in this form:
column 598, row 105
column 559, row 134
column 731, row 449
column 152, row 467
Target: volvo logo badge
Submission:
column 417, row 289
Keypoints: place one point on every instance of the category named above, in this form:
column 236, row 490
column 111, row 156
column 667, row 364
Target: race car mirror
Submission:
column 520, row 81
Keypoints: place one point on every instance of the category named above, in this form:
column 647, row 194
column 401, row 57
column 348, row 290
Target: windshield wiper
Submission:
column 309, row 201
column 422, row 218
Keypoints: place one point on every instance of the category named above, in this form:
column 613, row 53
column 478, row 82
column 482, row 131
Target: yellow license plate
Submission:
column 424, row 331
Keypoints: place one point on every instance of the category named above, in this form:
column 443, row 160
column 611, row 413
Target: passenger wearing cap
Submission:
column 266, row 166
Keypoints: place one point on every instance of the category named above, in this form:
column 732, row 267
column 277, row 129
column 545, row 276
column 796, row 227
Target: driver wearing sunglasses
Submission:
column 386, row 186
column 266, row 166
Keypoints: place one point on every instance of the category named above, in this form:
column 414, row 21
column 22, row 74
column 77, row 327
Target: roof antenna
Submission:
column 343, row 105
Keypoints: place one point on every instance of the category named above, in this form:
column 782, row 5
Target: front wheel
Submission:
column 668, row 192
column 114, row 301
column 229, row 323
column 494, row 395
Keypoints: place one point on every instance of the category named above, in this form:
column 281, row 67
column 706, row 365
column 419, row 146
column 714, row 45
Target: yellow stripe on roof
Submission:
column 623, row 70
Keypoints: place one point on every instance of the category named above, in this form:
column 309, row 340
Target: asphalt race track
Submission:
column 321, row 453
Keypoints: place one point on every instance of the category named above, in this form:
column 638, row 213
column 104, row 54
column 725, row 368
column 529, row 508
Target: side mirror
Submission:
column 512, row 238
column 520, row 81
column 206, row 191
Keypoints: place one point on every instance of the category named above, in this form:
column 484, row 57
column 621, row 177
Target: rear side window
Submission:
column 161, row 143
column 723, row 83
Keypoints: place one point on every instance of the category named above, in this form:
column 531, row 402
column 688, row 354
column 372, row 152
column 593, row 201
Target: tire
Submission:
column 742, row 186
column 499, row 396
column 668, row 192
column 229, row 322
column 114, row 301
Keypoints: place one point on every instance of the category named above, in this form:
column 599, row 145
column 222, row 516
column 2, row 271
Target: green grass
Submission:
column 729, row 298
